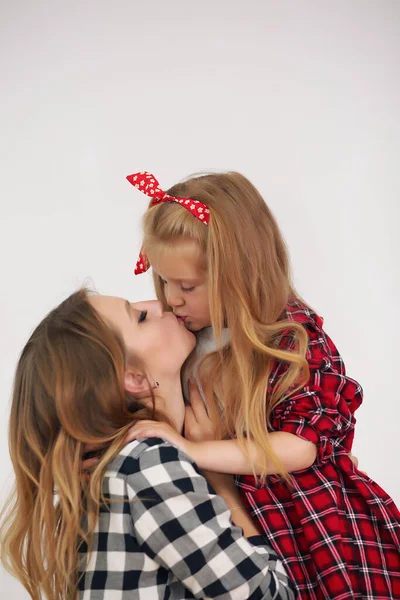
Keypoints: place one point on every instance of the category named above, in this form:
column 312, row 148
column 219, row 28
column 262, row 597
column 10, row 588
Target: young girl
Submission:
column 275, row 385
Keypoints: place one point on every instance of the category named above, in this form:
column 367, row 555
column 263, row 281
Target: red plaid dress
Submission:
column 336, row 530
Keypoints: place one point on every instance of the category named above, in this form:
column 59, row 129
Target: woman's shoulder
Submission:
column 150, row 454
column 153, row 468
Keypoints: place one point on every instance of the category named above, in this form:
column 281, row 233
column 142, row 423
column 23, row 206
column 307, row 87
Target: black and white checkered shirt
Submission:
column 169, row 536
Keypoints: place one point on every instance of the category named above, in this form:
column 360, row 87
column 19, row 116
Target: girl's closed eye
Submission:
column 183, row 288
column 142, row 316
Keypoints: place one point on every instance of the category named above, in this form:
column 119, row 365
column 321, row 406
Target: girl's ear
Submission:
column 135, row 383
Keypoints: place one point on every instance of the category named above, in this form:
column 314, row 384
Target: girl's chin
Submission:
column 191, row 326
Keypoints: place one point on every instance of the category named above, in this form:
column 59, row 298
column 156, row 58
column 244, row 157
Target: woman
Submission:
column 146, row 524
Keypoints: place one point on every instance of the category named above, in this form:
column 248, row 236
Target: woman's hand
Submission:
column 354, row 460
column 148, row 429
column 198, row 426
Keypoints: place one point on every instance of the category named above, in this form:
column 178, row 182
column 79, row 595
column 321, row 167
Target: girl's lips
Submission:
column 181, row 318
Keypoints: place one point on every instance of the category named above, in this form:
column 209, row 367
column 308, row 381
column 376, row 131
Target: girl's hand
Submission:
column 89, row 459
column 88, row 463
column 198, row 426
column 148, row 429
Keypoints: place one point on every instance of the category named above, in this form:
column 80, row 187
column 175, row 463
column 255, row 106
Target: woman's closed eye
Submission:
column 142, row 316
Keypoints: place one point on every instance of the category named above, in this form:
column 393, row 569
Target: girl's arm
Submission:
column 293, row 452
column 225, row 456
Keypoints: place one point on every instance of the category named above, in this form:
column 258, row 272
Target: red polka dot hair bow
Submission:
column 148, row 184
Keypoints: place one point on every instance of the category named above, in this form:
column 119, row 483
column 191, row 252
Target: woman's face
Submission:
column 156, row 337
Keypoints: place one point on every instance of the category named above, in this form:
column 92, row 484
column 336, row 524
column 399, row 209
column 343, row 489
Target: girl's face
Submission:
column 154, row 336
column 185, row 284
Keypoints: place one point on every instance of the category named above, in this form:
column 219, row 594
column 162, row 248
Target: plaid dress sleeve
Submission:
column 336, row 531
column 323, row 410
column 183, row 526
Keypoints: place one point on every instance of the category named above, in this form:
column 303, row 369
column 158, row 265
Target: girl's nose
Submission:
column 173, row 297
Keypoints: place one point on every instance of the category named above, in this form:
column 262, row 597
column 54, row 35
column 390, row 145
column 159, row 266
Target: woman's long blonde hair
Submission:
column 68, row 392
column 247, row 264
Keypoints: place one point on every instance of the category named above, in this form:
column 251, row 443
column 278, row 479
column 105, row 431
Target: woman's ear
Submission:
column 136, row 383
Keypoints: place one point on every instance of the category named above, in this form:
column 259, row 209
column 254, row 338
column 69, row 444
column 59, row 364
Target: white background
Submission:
column 300, row 96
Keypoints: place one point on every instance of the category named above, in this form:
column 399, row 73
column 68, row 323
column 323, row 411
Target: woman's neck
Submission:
column 169, row 401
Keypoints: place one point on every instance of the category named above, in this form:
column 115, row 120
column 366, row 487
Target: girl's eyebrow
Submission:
column 180, row 279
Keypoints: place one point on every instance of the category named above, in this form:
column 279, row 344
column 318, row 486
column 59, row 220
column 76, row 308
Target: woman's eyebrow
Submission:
column 128, row 308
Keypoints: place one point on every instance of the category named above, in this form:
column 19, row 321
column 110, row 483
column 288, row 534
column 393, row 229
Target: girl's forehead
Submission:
column 179, row 261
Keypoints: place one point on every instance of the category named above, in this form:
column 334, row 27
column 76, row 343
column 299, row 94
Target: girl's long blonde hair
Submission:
column 68, row 392
column 247, row 264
